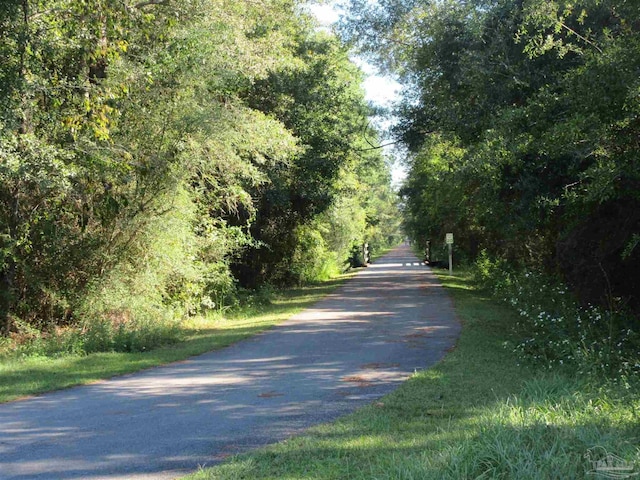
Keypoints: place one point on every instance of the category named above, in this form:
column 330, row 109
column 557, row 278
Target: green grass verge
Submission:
column 32, row 375
column 476, row 414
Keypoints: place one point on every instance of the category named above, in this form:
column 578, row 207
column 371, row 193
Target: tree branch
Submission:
column 377, row 147
column 584, row 39
column 151, row 2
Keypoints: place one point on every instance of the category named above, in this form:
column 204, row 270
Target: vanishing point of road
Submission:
column 349, row 349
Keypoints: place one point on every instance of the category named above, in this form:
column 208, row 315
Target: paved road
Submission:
column 349, row 349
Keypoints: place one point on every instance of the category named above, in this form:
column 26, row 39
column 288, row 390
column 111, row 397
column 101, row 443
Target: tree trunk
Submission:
column 7, row 278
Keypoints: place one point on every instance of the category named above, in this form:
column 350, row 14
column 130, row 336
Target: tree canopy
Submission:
column 521, row 118
column 150, row 149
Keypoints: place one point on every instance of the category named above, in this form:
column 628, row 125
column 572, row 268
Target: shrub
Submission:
column 138, row 304
column 557, row 331
column 311, row 260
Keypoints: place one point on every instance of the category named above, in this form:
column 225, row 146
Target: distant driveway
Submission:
column 354, row 346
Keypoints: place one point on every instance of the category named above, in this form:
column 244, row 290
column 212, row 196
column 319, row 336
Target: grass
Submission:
column 32, row 375
column 477, row 414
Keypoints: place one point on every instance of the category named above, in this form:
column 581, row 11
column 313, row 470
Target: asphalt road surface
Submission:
column 349, row 349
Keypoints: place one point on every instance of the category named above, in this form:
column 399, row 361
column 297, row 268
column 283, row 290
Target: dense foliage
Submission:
column 147, row 148
column 336, row 185
column 556, row 332
column 522, row 122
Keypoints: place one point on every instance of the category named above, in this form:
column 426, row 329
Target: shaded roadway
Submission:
column 347, row 350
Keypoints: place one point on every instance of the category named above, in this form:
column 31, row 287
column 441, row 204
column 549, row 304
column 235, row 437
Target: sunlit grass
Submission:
column 476, row 414
column 36, row 374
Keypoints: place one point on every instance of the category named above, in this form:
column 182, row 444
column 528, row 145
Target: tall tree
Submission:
column 321, row 101
column 112, row 112
column 511, row 113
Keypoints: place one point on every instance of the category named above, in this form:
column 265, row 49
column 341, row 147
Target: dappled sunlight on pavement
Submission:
column 349, row 349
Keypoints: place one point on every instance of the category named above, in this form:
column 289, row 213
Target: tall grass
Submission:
column 557, row 332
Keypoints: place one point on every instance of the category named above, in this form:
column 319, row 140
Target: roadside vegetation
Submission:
column 557, row 331
column 160, row 159
column 164, row 165
column 520, row 121
column 483, row 412
column 56, row 362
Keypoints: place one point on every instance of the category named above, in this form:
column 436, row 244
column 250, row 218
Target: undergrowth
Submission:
column 557, row 332
column 475, row 415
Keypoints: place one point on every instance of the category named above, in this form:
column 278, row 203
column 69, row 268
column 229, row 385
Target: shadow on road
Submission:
column 349, row 349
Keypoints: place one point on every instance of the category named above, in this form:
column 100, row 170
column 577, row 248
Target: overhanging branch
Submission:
column 377, row 147
column 151, row 2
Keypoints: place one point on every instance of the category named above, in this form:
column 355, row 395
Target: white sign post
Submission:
column 449, row 241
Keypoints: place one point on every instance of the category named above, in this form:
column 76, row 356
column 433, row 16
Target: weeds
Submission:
column 557, row 331
column 117, row 334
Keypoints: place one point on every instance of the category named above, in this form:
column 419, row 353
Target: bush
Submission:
column 559, row 332
column 157, row 281
column 312, row 261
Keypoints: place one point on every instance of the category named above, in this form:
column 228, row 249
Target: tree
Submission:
column 511, row 115
column 320, row 100
column 118, row 115
column 145, row 146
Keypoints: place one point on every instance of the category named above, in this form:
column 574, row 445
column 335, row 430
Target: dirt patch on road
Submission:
column 378, row 365
column 359, row 381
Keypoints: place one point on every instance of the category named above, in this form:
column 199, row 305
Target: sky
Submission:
column 379, row 89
